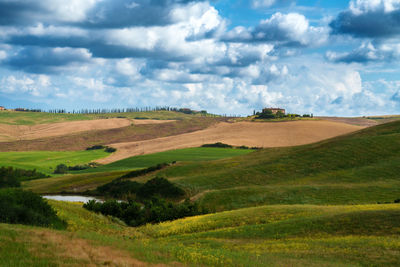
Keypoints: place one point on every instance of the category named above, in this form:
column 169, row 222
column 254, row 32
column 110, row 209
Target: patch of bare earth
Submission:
column 252, row 134
column 24, row 132
column 82, row 252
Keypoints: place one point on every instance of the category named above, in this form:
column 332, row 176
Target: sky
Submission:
column 334, row 58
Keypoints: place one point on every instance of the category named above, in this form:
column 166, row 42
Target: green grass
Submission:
column 179, row 155
column 277, row 235
column 46, row 161
column 32, row 118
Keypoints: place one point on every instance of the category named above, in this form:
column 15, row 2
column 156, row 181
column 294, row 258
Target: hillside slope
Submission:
column 362, row 167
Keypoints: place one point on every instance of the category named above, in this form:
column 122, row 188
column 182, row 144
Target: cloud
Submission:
column 368, row 52
column 366, row 18
column 270, row 3
column 44, row 60
column 291, row 29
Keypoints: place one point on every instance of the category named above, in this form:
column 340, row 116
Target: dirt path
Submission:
column 251, row 134
column 24, row 132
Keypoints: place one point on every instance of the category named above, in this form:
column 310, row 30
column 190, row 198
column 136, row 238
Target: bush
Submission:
column 25, row 207
column 397, row 200
column 110, row 149
column 61, row 169
column 153, row 211
column 96, row 147
column 218, row 144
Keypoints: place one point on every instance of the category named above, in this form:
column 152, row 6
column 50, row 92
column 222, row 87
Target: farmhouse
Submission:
column 275, row 110
column 2, row 108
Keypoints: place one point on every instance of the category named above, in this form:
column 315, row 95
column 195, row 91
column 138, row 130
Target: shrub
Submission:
column 397, row 200
column 109, row 149
column 218, row 144
column 96, row 147
column 61, row 169
column 25, row 207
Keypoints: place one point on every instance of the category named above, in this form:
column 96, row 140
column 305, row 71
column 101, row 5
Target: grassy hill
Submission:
column 281, row 235
column 79, row 181
column 363, row 167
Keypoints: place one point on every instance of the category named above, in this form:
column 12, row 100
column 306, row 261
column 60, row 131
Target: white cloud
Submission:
column 358, row 7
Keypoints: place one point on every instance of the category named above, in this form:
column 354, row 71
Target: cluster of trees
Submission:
column 10, row 177
column 154, row 210
column 107, row 149
column 24, row 207
column 218, row 144
column 124, row 110
column 62, row 168
column 124, row 189
column 222, row 145
column 268, row 114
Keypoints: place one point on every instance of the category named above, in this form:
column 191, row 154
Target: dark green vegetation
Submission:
column 155, row 210
column 158, row 187
column 106, row 148
column 10, row 177
column 24, row 207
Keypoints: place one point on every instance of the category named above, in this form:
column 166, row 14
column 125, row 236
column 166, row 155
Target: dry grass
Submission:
column 252, row 134
column 80, row 251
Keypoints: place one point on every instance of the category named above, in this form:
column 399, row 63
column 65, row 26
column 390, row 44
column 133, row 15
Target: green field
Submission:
column 179, row 155
column 46, row 161
column 79, row 181
column 32, row 118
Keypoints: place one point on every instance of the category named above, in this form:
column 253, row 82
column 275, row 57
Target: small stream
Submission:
column 67, row 198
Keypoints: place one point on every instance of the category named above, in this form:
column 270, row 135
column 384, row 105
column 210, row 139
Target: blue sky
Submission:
column 337, row 58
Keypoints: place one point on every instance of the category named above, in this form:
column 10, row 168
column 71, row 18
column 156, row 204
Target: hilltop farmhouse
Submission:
column 274, row 110
column 2, row 108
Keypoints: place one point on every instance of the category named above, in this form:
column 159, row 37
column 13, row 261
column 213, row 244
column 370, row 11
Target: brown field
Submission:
column 24, row 132
column 252, row 134
column 140, row 130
